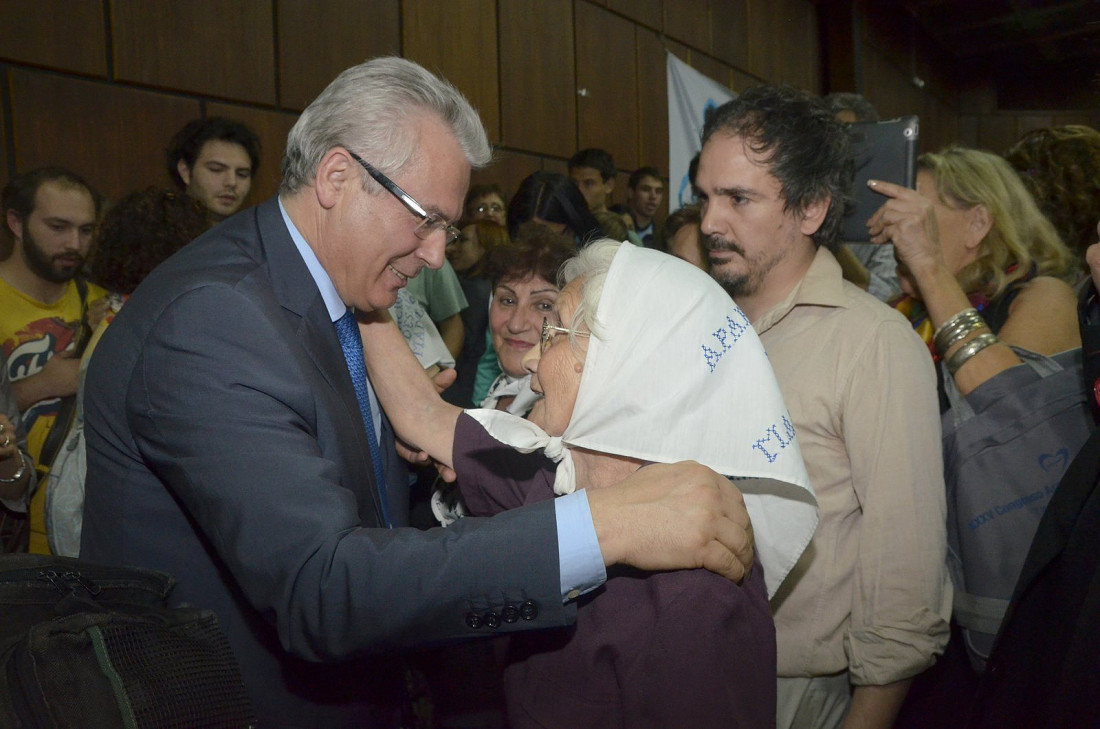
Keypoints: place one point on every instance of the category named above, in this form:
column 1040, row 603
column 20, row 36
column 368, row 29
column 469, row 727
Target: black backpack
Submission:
column 90, row 646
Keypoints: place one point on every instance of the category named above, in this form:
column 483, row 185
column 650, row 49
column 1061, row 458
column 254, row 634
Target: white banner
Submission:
column 690, row 96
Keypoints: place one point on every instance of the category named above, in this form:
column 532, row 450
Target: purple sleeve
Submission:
column 494, row 477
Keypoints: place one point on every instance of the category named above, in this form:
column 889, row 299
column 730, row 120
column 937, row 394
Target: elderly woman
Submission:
column 654, row 364
column 985, row 272
column 524, row 286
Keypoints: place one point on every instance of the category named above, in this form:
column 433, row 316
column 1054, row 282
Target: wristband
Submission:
column 957, row 328
column 968, row 350
column 19, row 473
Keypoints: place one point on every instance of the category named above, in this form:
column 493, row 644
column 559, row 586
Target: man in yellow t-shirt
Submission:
column 49, row 214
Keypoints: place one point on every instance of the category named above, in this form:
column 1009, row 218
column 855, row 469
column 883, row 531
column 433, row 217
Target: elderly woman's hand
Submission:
column 908, row 220
column 674, row 516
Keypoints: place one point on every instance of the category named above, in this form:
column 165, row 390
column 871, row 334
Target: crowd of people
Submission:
column 694, row 471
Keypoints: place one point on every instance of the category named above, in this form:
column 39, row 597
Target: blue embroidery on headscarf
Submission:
column 775, row 440
column 727, row 336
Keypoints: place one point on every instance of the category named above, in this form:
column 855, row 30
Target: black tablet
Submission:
column 884, row 150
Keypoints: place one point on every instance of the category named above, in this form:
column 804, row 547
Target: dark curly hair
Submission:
column 555, row 198
column 534, row 251
column 808, row 150
column 596, row 158
column 140, row 232
column 1060, row 166
column 187, row 143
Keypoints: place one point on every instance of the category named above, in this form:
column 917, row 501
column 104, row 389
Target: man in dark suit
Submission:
column 229, row 446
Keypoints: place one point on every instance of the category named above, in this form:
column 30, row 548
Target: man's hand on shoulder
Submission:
column 674, row 516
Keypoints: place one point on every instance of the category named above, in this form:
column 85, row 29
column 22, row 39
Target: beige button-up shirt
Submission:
column 871, row 594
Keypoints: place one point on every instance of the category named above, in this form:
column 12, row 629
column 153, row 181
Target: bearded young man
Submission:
column 50, row 214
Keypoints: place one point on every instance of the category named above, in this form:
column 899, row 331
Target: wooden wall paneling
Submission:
column 742, row 81
column 649, row 13
column 688, row 21
column 538, row 90
column 679, row 50
column 798, row 50
column 550, row 164
column 112, row 135
column 760, row 45
column 968, row 130
column 729, row 31
column 1087, row 118
column 508, row 169
column 320, row 38
column 887, row 87
column 271, row 127
column 4, row 174
column 783, row 44
column 69, row 35
column 996, row 132
column 618, row 195
column 652, row 100
column 607, row 115
column 939, row 126
column 1033, row 121
column 214, row 48
column 468, row 58
column 837, row 33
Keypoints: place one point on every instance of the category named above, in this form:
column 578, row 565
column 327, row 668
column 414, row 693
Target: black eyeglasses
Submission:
column 429, row 222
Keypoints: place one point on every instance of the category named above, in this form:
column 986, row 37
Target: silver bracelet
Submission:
column 20, row 472
column 955, row 329
column 968, row 350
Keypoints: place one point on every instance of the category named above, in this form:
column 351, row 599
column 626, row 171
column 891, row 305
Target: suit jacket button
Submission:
column 528, row 610
column 473, row 620
column 492, row 620
column 510, row 613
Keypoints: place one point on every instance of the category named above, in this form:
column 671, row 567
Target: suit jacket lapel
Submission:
column 297, row 292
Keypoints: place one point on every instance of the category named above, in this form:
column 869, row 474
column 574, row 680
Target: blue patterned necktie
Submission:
column 348, row 331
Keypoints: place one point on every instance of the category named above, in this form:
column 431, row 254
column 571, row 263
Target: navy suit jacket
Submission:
column 226, row 448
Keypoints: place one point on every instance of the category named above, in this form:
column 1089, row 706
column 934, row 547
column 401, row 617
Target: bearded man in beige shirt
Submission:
column 866, row 608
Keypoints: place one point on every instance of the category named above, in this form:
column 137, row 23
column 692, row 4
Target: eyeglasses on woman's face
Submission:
column 549, row 331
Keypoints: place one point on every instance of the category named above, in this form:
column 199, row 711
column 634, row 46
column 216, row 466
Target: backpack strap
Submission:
column 66, row 411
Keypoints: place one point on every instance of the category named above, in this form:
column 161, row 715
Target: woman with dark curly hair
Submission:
column 1060, row 166
column 139, row 232
column 136, row 235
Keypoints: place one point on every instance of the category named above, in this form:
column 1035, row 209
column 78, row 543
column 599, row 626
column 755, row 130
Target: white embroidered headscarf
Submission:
column 675, row 372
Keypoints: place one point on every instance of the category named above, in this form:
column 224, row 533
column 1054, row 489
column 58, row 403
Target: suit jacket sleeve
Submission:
column 230, row 406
